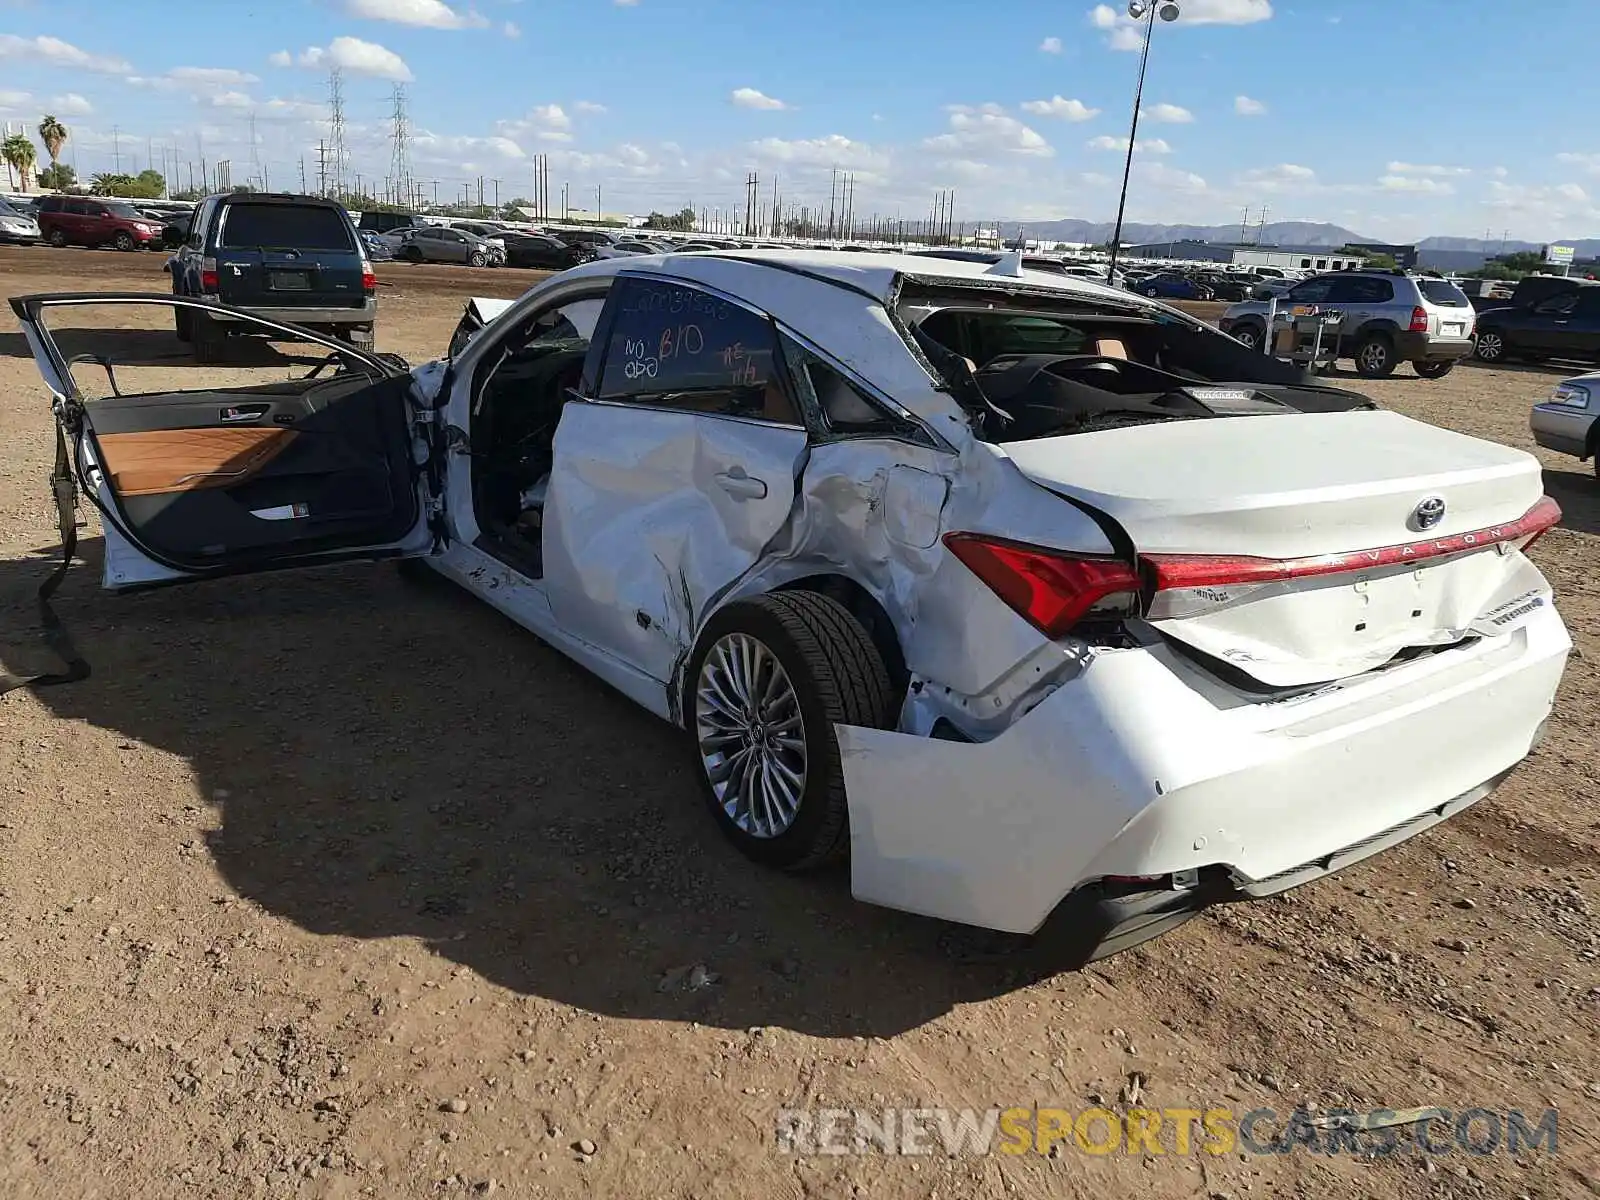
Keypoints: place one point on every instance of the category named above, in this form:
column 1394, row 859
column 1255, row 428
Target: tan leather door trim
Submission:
column 186, row 460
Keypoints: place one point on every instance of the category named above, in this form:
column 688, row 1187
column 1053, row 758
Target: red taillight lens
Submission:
column 208, row 274
column 369, row 281
column 1052, row 591
column 1419, row 320
column 1174, row 572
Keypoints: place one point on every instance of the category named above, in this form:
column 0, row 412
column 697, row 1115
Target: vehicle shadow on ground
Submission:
column 1578, row 493
column 387, row 758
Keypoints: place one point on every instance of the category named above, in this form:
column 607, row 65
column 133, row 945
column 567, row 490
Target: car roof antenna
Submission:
column 1010, row 264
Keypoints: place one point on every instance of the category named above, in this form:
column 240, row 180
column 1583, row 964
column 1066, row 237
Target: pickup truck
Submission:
column 294, row 259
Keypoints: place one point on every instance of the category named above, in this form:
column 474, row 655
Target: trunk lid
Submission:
column 1306, row 548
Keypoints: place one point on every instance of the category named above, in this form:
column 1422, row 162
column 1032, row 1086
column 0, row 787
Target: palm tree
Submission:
column 19, row 153
column 54, row 135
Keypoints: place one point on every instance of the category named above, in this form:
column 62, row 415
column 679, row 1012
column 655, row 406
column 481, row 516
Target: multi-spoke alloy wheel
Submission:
column 752, row 735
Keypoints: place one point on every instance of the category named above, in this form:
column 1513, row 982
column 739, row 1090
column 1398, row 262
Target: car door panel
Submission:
column 650, row 514
column 227, row 479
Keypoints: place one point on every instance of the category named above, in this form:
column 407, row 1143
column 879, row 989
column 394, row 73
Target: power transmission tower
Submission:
column 116, row 149
column 400, row 158
column 255, row 158
column 322, row 168
column 336, row 148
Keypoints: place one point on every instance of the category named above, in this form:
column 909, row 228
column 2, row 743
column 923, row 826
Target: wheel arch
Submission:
column 854, row 596
column 1591, row 442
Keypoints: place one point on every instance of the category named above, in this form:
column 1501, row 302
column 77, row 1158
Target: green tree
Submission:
column 54, row 135
column 109, row 183
column 1510, row 266
column 58, row 176
column 681, row 221
column 20, row 156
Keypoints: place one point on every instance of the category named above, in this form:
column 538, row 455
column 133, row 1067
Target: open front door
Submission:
column 293, row 450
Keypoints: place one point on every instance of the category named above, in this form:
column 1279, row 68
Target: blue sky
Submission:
column 1397, row 118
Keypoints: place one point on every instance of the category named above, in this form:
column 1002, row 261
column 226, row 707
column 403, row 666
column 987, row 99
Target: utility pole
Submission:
column 302, row 174
column 256, row 174
column 1244, row 223
column 322, row 168
column 116, row 148
column 496, row 183
column 597, row 208
column 1261, row 233
column 833, row 183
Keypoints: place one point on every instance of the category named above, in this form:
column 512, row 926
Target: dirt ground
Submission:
column 327, row 884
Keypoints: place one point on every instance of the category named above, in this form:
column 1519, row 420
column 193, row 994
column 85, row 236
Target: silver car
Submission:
column 1390, row 317
column 1569, row 421
column 435, row 243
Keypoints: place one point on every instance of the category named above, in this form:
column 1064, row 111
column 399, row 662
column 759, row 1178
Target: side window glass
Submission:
column 1558, row 306
column 678, row 347
column 844, row 408
column 1313, row 291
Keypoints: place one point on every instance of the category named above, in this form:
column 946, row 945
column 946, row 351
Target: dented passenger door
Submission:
column 674, row 473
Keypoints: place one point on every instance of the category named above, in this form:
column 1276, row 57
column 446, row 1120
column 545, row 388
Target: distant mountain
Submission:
column 1279, row 233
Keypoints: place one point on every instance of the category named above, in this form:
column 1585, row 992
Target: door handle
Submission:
column 244, row 412
column 741, row 486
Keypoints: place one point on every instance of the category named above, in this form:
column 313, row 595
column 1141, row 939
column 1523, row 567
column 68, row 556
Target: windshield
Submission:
column 126, row 211
column 289, row 226
column 6, row 210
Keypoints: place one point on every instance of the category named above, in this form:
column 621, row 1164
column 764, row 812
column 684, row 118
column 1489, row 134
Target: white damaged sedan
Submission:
column 1038, row 601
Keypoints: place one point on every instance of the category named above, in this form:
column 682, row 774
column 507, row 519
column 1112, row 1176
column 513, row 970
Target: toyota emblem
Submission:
column 1428, row 513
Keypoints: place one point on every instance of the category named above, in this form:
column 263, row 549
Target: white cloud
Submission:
column 749, row 97
column 1144, row 145
column 14, row 101
column 1170, row 179
column 511, row 29
column 1429, row 169
column 543, row 122
column 588, row 106
column 1589, row 162
column 981, row 131
column 1420, row 184
column 1051, row 45
column 1247, row 107
column 833, row 150
column 357, row 57
column 293, row 110
column 219, row 76
column 230, row 100
column 71, row 105
column 626, row 3
column 1168, row 114
column 1060, row 108
column 1499, row 172
column 1128, row 33
column 446, row 147
column 1280, row 178
column 425, row 14
column 280, row 58
column 57, row 53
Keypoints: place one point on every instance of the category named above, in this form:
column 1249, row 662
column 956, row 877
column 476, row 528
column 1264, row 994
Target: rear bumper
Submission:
column 1129, row 769
column 1423, row 347
column 315, row 318
column 1565, row 431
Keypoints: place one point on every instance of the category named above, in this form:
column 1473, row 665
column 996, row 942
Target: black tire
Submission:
column 1250, row 334
column 413, row 254
column 1434, row 370
column 838, row 677
column 58, row 239
column 209, row 340
column 183, row 324
column 1491, row 347
column 478, row 259
column 1375, row 356
column 123, row 241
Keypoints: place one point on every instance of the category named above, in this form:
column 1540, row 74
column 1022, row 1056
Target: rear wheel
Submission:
column 1491, row 348
column 123, row 240
column 1375, row 357
column 413, row 254
column 209, row 339
column 1433, row 370
column 771, row 679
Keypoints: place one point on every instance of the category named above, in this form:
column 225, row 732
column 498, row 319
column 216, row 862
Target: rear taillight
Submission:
column 1419, row 320
column 208, row 274
column 1051, row 590
column 369, row 281
column 1187, row 584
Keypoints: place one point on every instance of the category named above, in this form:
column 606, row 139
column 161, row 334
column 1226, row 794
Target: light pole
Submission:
column 1146, row 11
